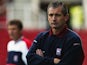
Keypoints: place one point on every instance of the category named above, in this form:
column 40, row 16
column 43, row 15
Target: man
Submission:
column 59, row 45
column 18, row 47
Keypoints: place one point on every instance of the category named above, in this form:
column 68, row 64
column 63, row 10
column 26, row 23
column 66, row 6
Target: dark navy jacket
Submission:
column 66, row 46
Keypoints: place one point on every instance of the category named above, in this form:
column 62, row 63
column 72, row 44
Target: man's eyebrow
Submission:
column 58, row 14
column 51, row 14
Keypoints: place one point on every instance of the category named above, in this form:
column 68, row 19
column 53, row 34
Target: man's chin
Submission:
column 11, row 37
column 55, row 27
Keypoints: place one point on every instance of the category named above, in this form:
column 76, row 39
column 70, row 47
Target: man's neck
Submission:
column 18, row 38
column 56, row 31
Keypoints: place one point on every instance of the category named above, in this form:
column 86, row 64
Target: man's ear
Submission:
column 67, row 17
column 21, row 31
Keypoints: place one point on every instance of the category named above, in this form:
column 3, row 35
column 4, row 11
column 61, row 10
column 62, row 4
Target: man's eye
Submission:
column 50, row 14
column 57, row 14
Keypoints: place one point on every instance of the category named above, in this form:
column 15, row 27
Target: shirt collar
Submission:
column 61, row 33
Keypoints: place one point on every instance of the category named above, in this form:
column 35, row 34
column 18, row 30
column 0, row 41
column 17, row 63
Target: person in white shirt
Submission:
column 18, row 47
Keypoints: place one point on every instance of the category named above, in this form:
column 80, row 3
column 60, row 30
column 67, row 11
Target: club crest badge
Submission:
column 58, row 51
column 15, row 58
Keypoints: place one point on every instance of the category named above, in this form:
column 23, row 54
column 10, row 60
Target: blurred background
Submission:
column 33, row 15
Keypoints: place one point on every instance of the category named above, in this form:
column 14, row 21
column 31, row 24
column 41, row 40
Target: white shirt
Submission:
column 19, row 46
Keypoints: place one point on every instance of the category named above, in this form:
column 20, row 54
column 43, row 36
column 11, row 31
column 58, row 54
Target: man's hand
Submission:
column 39, row 52
column 56, row 60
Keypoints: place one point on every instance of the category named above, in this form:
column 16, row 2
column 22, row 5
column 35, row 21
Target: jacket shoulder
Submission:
column 42, row 34
column 72, row 34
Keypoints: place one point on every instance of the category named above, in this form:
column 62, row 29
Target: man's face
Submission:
column 56, row 18
column 13, row 32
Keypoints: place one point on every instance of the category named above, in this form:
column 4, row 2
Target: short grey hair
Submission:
column 56, row 4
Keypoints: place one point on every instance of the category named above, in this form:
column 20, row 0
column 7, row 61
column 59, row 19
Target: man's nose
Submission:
column 54, row 17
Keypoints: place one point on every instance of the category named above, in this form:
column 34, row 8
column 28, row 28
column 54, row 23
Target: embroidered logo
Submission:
column 58, row 51
column 35, row 41
column 15, row 58
column 76, row 44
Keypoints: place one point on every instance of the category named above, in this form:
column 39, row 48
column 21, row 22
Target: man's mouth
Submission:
column 54, row 23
